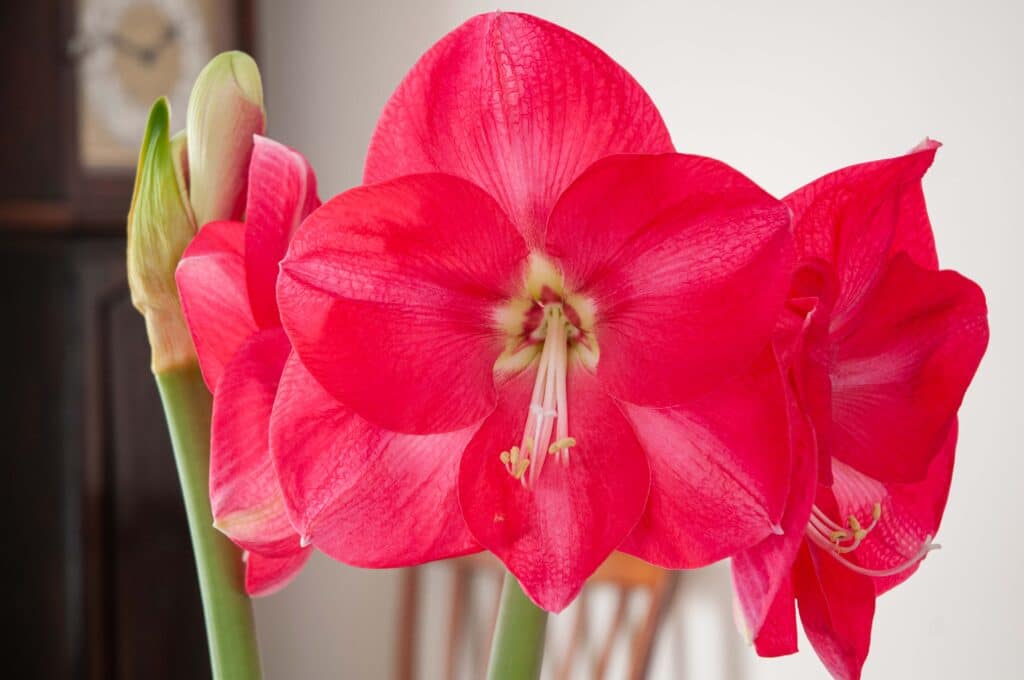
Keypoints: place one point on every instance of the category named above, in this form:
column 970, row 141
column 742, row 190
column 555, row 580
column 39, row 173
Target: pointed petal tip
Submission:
column 267, row 575
column 927, row 144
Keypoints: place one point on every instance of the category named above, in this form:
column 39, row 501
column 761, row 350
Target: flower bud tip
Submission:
column 247, row 75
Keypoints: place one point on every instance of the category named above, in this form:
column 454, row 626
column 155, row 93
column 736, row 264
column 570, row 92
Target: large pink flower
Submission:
column 880, row 347
column 528, row 335
column 227, row 280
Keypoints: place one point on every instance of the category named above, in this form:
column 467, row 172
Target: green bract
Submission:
column 160, row 226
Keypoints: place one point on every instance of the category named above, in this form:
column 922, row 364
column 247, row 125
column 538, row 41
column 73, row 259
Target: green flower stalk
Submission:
column 208, row 163
column 517, row 650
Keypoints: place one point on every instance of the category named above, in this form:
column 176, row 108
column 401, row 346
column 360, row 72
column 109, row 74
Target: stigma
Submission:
column 839, row 540
column 546, row 432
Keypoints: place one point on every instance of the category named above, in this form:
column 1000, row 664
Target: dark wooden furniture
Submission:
column 97, row 565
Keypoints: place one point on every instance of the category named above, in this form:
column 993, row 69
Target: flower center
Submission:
column 547, row 418
column 838, row 540
column 549, row 328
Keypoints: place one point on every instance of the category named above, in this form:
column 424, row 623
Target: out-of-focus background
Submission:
column 96, row 553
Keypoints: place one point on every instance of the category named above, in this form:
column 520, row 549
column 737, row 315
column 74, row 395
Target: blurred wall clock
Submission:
column 124, row 54
column 129, row 52
column 79, row 78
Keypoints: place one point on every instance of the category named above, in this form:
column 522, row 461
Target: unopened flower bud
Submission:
column 160, row 226
column 225, row 110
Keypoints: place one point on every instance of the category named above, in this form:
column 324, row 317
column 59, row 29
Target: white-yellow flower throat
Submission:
column 548, row 327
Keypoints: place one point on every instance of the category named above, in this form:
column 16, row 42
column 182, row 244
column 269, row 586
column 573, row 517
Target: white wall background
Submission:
column 784, row 91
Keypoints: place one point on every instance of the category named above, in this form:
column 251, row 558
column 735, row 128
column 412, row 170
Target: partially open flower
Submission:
column 227, row 278
column 880, row 347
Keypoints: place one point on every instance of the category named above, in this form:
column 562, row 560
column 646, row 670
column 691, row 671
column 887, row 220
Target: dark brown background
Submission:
column 97, row 565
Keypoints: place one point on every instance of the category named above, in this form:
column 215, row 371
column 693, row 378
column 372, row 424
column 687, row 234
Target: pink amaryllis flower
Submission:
column 880, row 347
column 536, row 331
column 227, row 280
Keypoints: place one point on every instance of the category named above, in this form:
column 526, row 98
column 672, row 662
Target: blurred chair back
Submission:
column 613, row 623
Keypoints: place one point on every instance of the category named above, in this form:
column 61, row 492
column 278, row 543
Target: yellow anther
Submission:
column 520, row 468
column 560, row 444
column 840, row 535
column 853, row 523
column 876, row 511
column 514, row 455
column 859, row 534
column 529, row 445
column 505, row 457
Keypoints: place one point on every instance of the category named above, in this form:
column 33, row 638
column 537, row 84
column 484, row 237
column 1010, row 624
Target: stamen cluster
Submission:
column 548, row 411
column 838, row 540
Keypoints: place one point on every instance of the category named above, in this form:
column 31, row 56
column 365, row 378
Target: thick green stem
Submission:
column 227, row 609
column 518, row 646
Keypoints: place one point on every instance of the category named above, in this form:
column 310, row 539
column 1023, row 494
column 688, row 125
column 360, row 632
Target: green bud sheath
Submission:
column 160, row 226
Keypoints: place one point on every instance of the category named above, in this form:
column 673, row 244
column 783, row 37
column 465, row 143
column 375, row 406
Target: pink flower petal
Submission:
column 836, row 608
column 553, row 535
column 760, row 572
column 363, row 495
column 719, row 471
column 389, row 294
column 282, row 191
column 900, row 376
column 244, row 491
column 519, row 107
column 914, row 234
column 910, row 517
column 857, row 217
column 211, row 283
column 804, row 347
column 267, row 575
column 777, row 635
column 687, row 263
